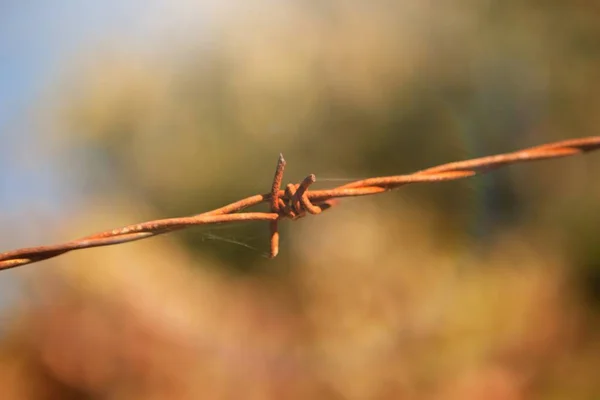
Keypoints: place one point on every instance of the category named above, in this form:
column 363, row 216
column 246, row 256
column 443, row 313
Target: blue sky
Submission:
column 38, row 38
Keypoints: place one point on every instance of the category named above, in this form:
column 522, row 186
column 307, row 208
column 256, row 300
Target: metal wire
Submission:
column 297, row 201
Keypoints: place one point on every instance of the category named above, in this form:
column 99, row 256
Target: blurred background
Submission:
column 116, row 112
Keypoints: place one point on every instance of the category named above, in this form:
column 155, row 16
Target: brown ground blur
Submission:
column 478, row 289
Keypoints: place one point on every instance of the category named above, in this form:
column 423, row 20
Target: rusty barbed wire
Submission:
column 296, row 201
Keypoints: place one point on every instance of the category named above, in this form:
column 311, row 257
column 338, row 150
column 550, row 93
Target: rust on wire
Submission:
column 296, row 200
column 275, row 206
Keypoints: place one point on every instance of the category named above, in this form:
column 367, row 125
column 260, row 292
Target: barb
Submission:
column 296, row 201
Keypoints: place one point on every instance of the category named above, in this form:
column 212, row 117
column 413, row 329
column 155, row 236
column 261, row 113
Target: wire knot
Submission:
column 295, row 203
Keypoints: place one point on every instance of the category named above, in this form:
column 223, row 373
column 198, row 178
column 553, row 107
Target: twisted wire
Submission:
column 297, row 200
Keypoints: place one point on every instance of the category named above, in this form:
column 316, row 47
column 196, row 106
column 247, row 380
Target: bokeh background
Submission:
column 116, row 112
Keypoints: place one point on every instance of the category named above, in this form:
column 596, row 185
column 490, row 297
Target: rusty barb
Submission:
column 297, row 201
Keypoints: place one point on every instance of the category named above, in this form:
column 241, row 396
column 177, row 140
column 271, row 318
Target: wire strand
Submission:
column 297, row 200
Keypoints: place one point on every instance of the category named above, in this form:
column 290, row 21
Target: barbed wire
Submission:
column 297, row 201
